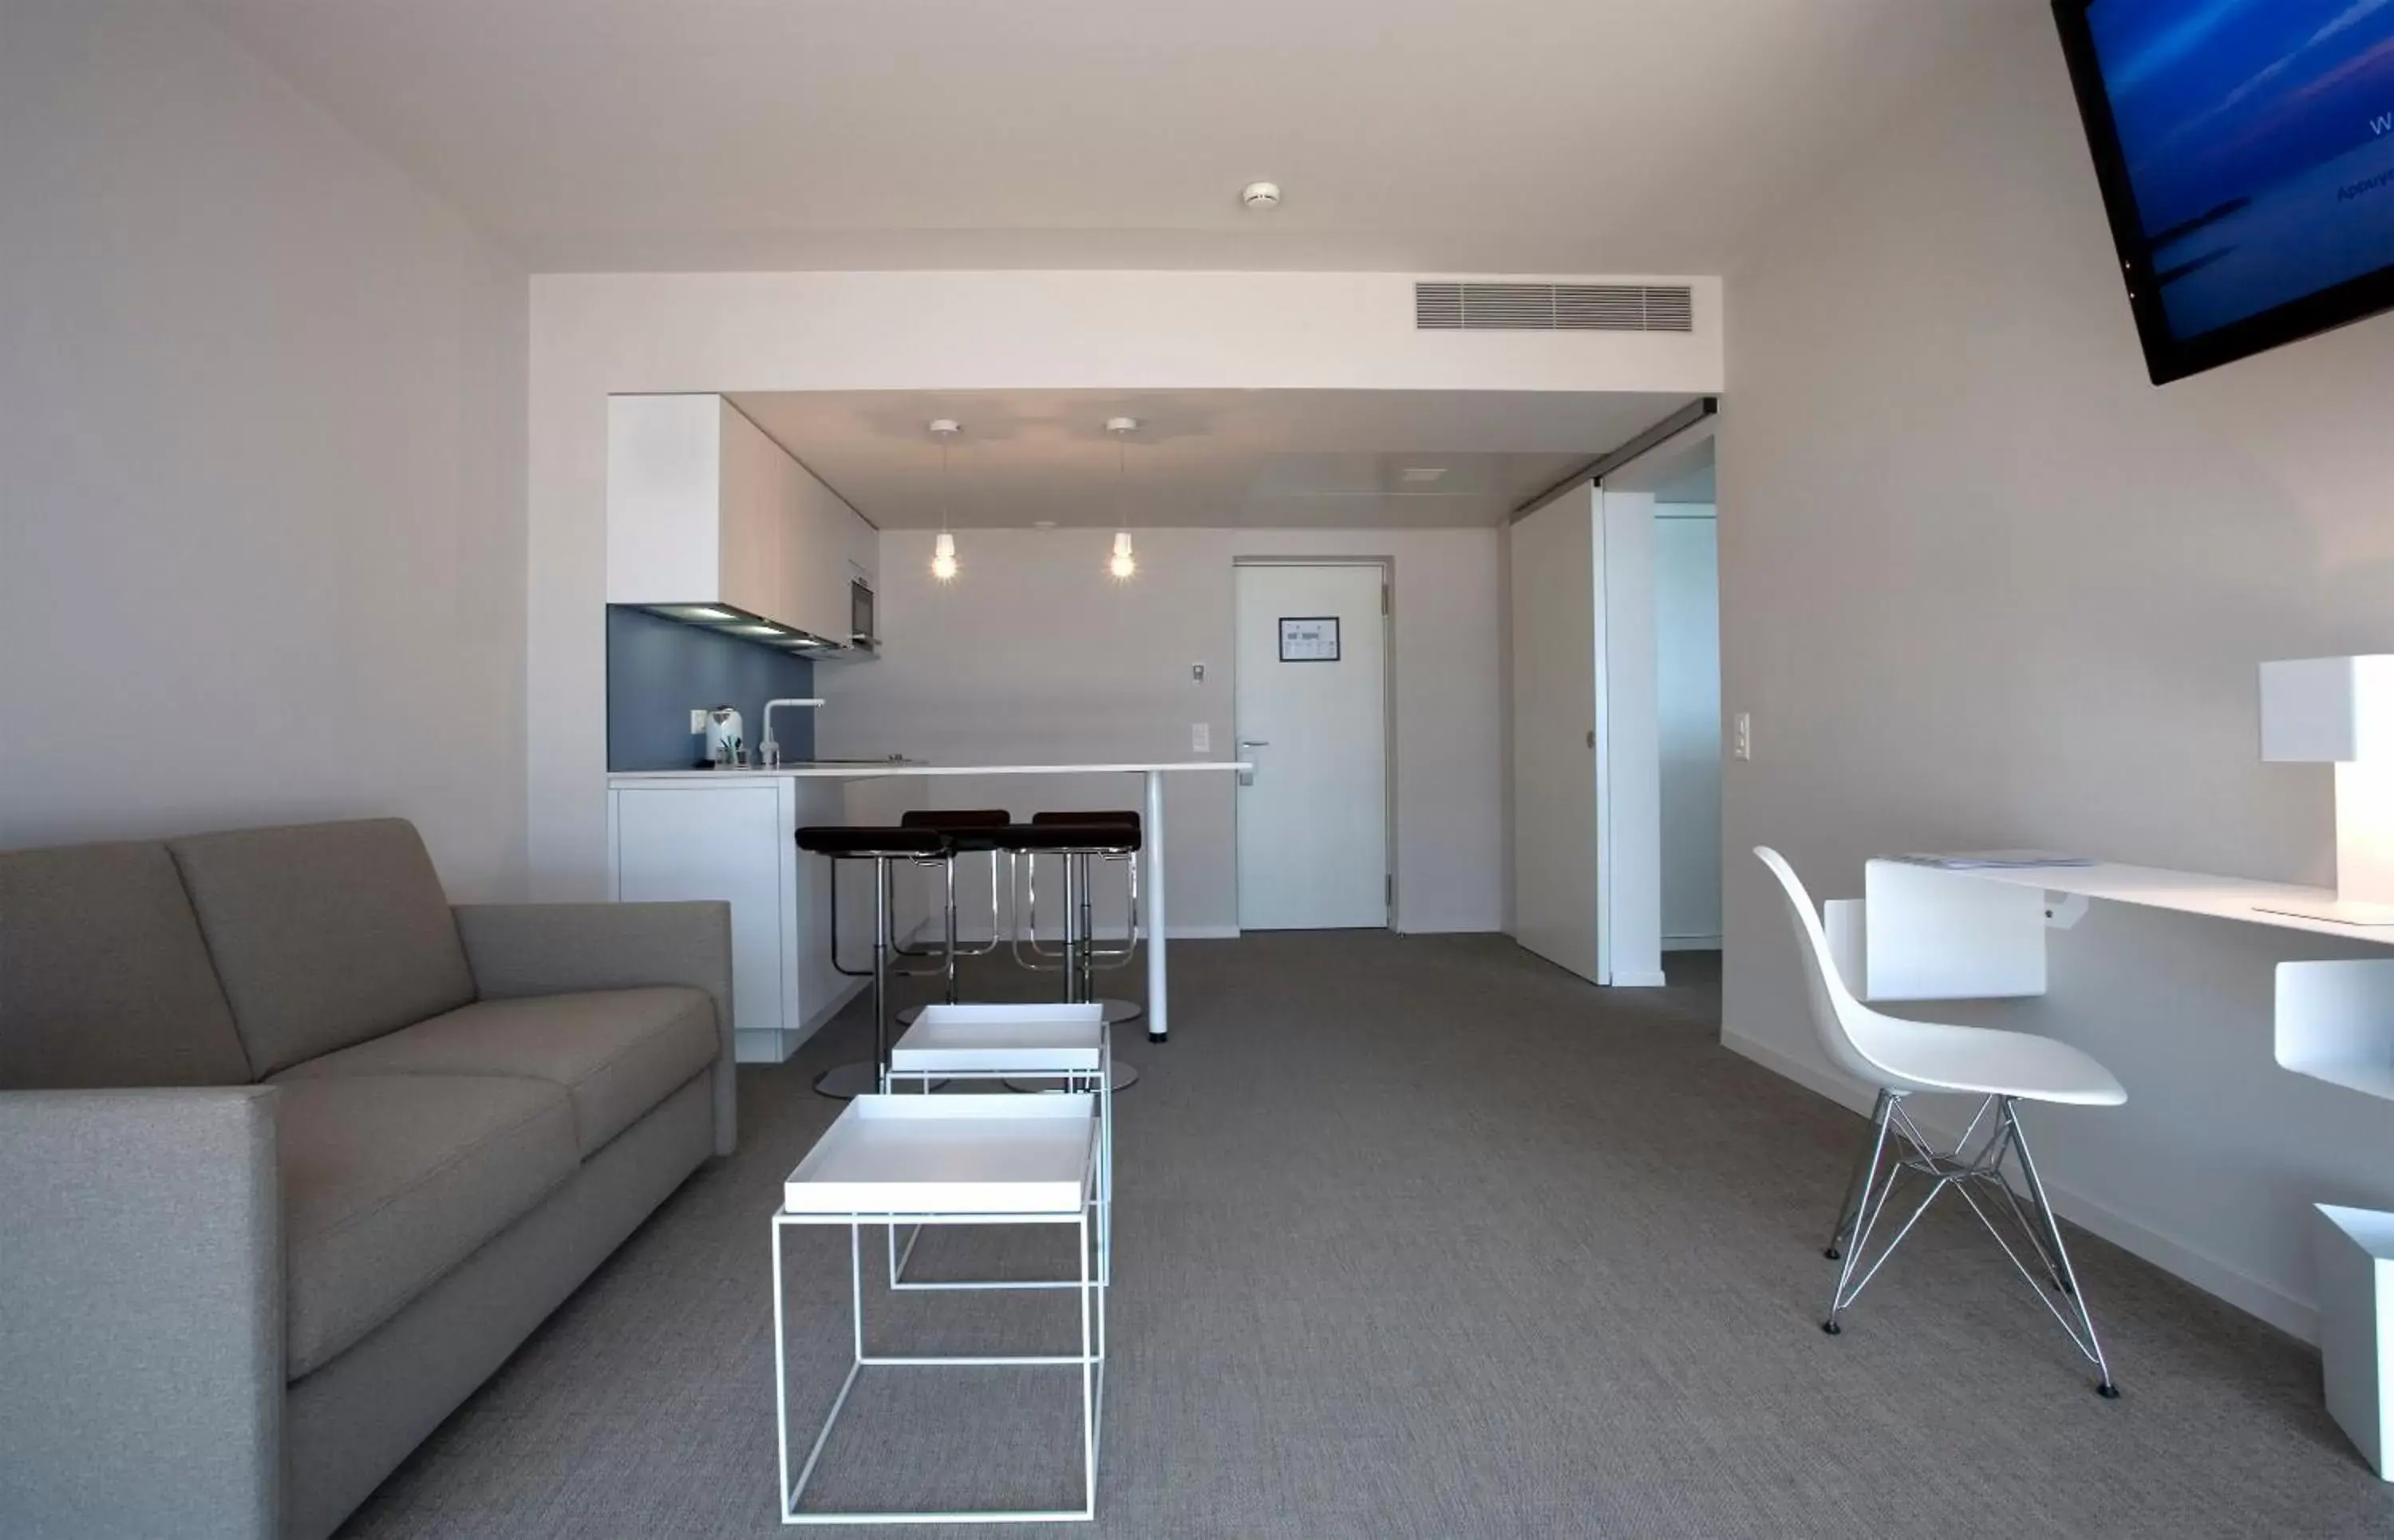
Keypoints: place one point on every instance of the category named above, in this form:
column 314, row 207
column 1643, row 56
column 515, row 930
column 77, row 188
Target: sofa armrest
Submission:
column 140, row 1313
column 517, row 949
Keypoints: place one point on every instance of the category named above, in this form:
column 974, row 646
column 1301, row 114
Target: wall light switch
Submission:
column 698, row 718
column 1742, row 736
column 1201, row 737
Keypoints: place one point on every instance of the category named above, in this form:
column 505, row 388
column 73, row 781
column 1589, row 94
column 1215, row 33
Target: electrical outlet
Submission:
column 698, row 718
column 1201, row 737
column 1742, row 736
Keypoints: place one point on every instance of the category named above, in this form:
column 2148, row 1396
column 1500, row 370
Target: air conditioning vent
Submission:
column 1554, row 307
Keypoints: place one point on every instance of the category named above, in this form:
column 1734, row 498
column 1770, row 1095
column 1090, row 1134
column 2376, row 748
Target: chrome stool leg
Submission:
column 1078, row 967
column 846, row 1082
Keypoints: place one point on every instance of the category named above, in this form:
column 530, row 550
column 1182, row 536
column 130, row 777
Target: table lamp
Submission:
column 2340, row 711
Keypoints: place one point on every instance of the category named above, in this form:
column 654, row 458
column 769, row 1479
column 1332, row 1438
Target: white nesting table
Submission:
column 1051, row 1041
column 978, row 1160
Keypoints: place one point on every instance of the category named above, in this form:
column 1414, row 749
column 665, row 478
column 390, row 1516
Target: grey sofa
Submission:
column 292, row 1154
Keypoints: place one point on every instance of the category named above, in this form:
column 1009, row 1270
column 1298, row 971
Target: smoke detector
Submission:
column 1260, row 195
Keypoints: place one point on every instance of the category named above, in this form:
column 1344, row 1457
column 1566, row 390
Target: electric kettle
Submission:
column 727, row 743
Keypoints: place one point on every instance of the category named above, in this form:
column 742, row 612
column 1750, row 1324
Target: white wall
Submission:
column 593, row 335
column 1687, row 721
column 263, row 552
column 1034, row 653
column 1984, row 585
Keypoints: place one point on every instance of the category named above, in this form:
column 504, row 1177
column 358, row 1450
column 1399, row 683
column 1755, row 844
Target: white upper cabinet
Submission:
column 704, row 508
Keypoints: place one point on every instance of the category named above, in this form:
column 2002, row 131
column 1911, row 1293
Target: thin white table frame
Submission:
column 931, row 1068
column 1090, row 1359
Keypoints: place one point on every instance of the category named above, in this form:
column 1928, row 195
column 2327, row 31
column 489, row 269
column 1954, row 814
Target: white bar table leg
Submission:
column 1158, row 1018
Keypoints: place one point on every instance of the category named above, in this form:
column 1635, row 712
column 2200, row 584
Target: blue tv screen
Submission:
column 2246, row 153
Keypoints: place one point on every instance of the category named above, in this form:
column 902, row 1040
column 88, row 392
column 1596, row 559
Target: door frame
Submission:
column 1388, row 565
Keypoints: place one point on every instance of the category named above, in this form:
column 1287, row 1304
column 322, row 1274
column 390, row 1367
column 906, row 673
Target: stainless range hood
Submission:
column 733, row 622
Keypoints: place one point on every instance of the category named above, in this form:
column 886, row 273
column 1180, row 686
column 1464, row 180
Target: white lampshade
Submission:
column 1124, row 562
column 944, row 557
column 2326, row 710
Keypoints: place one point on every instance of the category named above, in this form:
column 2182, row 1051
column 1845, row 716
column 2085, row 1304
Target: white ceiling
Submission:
column 1310, row 459
column 1457, row 136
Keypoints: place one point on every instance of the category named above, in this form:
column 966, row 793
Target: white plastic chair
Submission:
column 1900, row 1057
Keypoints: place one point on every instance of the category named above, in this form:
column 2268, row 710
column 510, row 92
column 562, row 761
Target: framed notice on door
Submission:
column 1308, row 639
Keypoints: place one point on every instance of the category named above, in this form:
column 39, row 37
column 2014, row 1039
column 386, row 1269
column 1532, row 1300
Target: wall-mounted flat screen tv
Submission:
column 2246, row 152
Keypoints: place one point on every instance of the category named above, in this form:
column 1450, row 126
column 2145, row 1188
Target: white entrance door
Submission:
column 1554, row 758
column 1312, row 715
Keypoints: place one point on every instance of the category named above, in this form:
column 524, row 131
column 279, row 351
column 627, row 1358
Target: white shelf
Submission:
column 2354, row 1254
column 933, row 1154
column 2335, row 1022
column 1063, row 1039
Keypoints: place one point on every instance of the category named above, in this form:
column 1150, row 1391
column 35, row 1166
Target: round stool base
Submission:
column 846, row 1082
column 1119, row 1011
column 1124, row 1078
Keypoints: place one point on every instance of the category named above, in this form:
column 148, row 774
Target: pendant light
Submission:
column 1124, row 564
column 944, row 549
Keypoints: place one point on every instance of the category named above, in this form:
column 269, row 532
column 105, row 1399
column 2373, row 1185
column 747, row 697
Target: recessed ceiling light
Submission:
column 757, row 630
column 1419, row 475
column 1260, row 195
column 695, row 611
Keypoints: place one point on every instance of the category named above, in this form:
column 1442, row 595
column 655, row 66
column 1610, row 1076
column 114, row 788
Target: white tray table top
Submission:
column 937, row 1154
column 1049, row 1037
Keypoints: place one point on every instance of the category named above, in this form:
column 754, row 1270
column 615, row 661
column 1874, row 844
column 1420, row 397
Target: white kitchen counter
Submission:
column 732, row 838
column 869, row 769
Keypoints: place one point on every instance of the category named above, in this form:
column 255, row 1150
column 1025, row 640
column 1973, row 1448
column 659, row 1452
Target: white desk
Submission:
column 1932, row 933
column 652, row 858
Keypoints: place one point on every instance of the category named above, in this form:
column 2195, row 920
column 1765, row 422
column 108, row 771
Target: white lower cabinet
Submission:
column 734, row 838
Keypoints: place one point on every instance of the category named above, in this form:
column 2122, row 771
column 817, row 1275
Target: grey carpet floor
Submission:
column 1418, row 1237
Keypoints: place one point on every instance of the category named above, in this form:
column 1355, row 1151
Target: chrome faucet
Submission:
column 769, row 752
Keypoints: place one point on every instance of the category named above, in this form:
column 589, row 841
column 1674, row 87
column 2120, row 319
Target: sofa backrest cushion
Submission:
column 103, row 978
column 324, row 934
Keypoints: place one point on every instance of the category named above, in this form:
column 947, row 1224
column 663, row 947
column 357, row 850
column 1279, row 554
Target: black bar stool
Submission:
column 1079, row 839
column 879, row 845
column 970, row 831
column 1094, row 956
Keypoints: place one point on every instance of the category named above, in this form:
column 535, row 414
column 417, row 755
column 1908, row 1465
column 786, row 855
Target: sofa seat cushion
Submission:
column 616, row 1052
column 389, row 1181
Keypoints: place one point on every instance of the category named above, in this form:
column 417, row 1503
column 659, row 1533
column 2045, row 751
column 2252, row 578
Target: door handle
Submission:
column 1255, row 742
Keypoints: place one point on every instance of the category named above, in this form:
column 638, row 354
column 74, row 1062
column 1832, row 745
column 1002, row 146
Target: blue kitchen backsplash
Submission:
column 658, row 669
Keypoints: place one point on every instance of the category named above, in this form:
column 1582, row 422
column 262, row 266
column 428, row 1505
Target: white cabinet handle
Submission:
column 1255, row 742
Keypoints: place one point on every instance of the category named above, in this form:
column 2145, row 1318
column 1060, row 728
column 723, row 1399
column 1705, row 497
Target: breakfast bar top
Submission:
column 869, row 769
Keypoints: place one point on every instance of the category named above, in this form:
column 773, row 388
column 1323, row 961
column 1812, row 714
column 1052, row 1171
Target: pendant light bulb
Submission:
column 1122, row 564
column 944, row 549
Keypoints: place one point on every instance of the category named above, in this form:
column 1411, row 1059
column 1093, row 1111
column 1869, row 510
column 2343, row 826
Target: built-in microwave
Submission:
column 860, row 615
